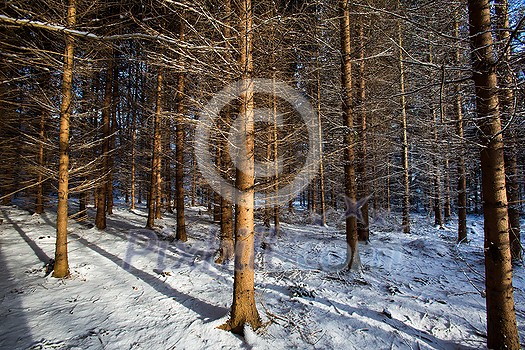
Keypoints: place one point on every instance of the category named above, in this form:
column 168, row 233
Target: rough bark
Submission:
column 179, row 152
column 39, row 202
column 352, row 259
column 506, row 99
column 102, row 192
column 61, row 266
column 404, row 121
column 154, row 192
column 244, row 311
column 362, row 186
column 461, row 172
column 502, row 330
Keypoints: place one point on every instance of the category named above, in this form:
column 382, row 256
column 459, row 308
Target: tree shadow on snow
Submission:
column 206, row 311
column 15, row 332
column 40, row 254
column 395, row 325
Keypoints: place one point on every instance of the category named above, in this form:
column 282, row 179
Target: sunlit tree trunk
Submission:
column 502, row 332
column 506, row 99
column 352, row 259
column 61, row 267
column 243, row 310
column 179, row 152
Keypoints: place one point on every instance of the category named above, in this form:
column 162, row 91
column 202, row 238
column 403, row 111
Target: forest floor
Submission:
column 131, row 288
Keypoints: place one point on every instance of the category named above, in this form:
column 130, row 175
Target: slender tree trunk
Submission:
column 352, row 259
column 506, row 99
column 362, row 186
column 243, row 309
column 404, row 118
column 322, row 194
column 61, row 267
column 179, row 152
column 113, row 135
column 167, row 166
column 193, row 178
column 275, row 149
column 462, row 174
column 388, row 180
column 154, row 190
column 438, row 219
column 447, row 210
column 226, row 248
column 39, row 203
column 102, row 193
column 227, row 244
column 502, row 332
column 133, row 156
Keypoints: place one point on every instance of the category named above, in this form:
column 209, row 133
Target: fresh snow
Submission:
column 132, row 288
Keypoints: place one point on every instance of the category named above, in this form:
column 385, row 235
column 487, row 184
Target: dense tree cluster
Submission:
column 100, row 101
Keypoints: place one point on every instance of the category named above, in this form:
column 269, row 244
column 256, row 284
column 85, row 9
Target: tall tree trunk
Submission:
column 226, row 248
column 154, row 191
column 352, row 259
column 462, row 174
column 404, row 119
column 438, row 219
column 113, row 135
column 447, row 210
column 61, row 267
column 39, row 203
column 322, row 194
column 502, row 332
column 362, row 186
column 102, row 193
column 275, row 149
column 179, row 152
column 243, row 309
column 506, row 99
column 133, row 155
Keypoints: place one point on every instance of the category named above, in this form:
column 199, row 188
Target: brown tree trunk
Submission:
column 462, row 174
column 243, row 309
column 502, row 332
column 61, row 266
column 362, row 186
column 179, row 152
column 167, row 166
column 154, row 190
column 226, row 248
column 39, row 203
column 438, row 219
column 102, row 193
column 404, row 119
column 322, row 194
column 113, row 135
column 446, row 184
column 352, row 259
column 275, row 149
column 506, row 99
column 133, row 156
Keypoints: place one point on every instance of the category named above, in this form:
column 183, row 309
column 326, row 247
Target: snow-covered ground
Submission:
column 130, row 289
